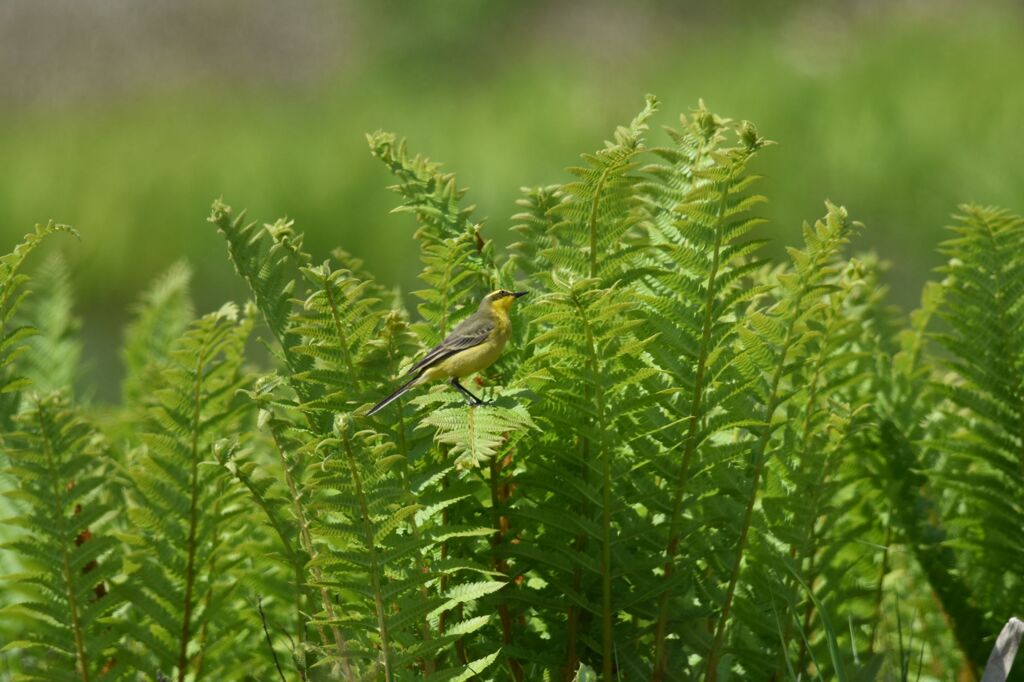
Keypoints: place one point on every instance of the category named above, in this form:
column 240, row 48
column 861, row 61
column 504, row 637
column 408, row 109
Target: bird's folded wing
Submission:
column 466, row 335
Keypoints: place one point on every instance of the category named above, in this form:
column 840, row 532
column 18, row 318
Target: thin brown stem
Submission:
column 497, row 540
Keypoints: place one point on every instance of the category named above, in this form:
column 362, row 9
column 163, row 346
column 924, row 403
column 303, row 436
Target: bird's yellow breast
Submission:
column 474, row 359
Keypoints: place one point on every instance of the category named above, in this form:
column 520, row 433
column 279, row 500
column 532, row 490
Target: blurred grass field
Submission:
column 899, row 111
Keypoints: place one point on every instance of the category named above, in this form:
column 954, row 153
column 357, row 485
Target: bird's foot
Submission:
column 471, row 399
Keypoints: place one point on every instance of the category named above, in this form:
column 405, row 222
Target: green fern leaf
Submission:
column 182, row 506
column 477, row 434
column 163, row 313
column 12, row 334
column 58, row 460
column 53, row 361
column 796, row 310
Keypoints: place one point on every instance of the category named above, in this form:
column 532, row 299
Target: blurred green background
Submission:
column 127, row 118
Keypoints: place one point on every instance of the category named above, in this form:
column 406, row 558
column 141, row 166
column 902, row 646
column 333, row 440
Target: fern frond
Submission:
column 978, row 435
column 336, row 324
column 586, row 348
column 828, row 526
column 432, row 196
column 162, row 314
column 342, row 340
column 533, row 229
column 378, row 524
column 698, row 205
column 286, row 510
column 915, row 514
column 476, row 434
column 458, row 264
column 774, row 341
column 358, row 514
column 183, row 512
column 58, row 461
column 581, row 347
column 598, row 212
column 12, row 334
column 53, row 361
column 269, row 258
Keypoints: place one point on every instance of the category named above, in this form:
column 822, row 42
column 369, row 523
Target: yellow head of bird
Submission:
column 501, row 299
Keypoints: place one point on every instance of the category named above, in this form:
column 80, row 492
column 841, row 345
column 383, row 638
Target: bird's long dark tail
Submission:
column 394, row 396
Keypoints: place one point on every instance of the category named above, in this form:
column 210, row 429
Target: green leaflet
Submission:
column 477, row 435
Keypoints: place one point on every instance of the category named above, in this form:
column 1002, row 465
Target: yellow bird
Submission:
column 473, row 345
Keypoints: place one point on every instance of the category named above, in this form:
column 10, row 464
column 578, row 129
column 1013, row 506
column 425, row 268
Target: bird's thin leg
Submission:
column 473, row 400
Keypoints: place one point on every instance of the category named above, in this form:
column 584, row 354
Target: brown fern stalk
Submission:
column 100, row 589
column 499, row 498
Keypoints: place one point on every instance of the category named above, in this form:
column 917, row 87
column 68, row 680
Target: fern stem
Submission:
column 808, row 580
column 445, row 302
column 573, row 615
column 607, row 643
column 59, row 508
column 604, row 453
column 299, row 655
column 580, row 544
column 879, row 591
column 695, row 416
column 429, row 665
column 758, row 459
column 339, row 330
column 501, row 525
column 212, row 569
column 806, row 550
column 193, row 518
column 371, row 547
column 266, row 635
column 306, row 540
column 421, row 563
column 592, row 220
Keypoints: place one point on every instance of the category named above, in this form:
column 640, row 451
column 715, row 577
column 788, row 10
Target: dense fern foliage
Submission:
column 693, row 463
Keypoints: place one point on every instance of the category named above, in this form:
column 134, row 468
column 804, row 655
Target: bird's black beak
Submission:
column 517, row 294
